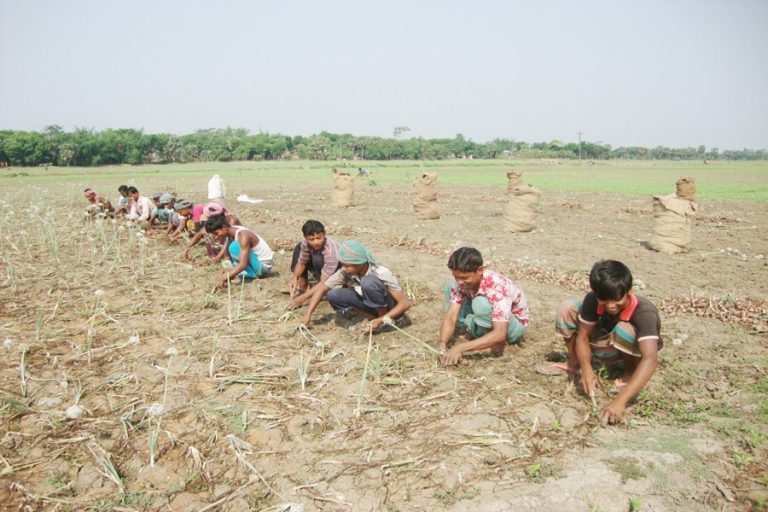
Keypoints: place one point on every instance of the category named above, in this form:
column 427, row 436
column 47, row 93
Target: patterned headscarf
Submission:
column 353, row 252
column 214, row 208
column 89, row 192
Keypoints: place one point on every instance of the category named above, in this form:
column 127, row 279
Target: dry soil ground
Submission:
column 153, row 357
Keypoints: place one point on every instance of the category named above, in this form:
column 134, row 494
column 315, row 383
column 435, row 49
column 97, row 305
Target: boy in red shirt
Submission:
column 493, row 309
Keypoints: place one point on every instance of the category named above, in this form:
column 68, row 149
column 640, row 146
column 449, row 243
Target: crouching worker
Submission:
column 493, row 309
column 142, row 208
column 189, row 219
column 361, row 286
column 613, row 326
column 100, row 206
column 250, row 254
column 212, row 245
column 165, row 209
column 123, row 202
column 316, row 254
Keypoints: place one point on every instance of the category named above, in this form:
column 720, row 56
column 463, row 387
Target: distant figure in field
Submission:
column 142, row 207
column 362, row 172
column 124, row 202
column 361, row 286
column 165, row 208
column 250, row 254
column 99, row 205
column 161, row 213
column 490, row 306
column 612, row 326
column 316, row 254
column 189, row 219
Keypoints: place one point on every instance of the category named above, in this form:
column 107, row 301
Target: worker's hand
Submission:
column 611, row 413
column 453, row 356
column 295, row 303
column 224, row 278
column 588, row 381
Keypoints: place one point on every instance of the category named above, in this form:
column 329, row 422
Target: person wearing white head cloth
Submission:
column 361, row 286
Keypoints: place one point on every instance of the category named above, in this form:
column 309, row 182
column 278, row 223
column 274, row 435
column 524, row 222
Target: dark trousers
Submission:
column 314, row 265
column 375, row 295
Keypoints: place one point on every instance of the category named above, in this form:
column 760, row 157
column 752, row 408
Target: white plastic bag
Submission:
column 215, row 187
column 245, row 199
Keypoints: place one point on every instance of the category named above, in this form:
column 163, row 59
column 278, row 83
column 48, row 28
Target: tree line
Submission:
column 87, row 147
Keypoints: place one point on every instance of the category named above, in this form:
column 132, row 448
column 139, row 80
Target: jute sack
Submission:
column 515, row 180
column 686, row 188
column 672, row 223
column 424, row 192
column 343, row 190
column 520, row 211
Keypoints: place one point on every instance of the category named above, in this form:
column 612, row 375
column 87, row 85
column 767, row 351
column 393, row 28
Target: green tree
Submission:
column 318, row 147
column 67, row 153
column 397, row 131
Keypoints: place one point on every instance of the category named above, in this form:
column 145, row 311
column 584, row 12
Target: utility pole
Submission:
column 580, row 134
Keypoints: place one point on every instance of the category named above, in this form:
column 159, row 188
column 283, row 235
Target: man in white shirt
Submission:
column 142, row 207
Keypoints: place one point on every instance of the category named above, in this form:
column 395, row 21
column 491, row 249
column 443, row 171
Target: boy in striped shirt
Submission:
column 611, row 325
column 316, row 254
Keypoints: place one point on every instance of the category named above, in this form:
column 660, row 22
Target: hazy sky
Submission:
column 651, row 72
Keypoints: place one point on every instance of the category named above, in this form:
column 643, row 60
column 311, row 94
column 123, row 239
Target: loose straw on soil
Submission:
column 241, row 448
column 421, row 344
column 311, row 338
column 108, row 469
column 365, row 371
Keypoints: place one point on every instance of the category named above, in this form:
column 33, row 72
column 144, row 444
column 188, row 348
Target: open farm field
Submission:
column 738, row 181
column 128, row 382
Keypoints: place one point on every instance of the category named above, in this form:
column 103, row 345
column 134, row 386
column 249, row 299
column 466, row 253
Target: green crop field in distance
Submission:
column 736, row 181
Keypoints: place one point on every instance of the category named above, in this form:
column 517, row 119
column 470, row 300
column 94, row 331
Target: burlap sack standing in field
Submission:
column 672, row 218
column 424, row 193
column 520, row 212
column 686, row 188
column 515, row 180
column 343, row 189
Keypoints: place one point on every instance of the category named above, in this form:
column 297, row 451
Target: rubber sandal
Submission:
column 555, row 369
column 556, row 357
column 618, row 384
